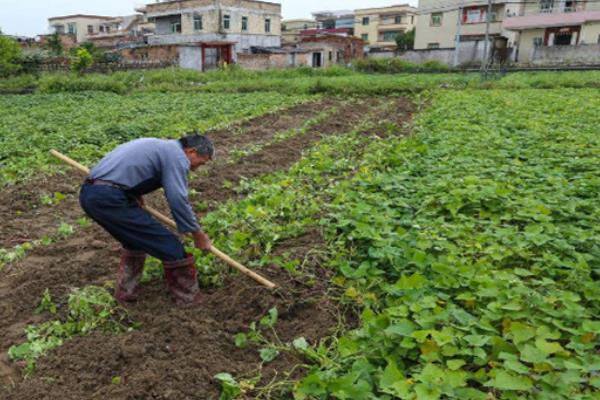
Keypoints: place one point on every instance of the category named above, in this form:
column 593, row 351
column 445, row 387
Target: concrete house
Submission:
column 219, row 29
column 121, row 31
column 291, row 29
column 340, row 22
column 557, row 31
column 81, row 26
column 378, row 27
column 439, row 22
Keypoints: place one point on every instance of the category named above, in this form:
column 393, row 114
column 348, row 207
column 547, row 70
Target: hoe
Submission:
column 169, row 222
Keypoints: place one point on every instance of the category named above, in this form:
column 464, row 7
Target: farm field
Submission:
column 440, row 243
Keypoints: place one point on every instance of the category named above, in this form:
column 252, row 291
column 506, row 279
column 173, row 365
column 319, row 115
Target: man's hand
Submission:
column 202, row 241
column 140, row 201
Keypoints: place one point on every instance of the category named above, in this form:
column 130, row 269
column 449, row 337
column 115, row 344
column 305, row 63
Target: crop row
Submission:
column 472, row 248
column 88, row 125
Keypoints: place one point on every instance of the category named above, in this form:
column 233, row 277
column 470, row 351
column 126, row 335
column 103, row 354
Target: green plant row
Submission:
column 89, row 309
column 334, row 80
column 283, row 205
column 87, row 125
column 472, row 248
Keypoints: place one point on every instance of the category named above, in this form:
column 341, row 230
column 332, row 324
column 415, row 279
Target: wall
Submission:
column 469, row 53
column 584, row 54
column 525, row 42
column 273, row 61
column 590, row 33
column 151, row 53
column 190, row 57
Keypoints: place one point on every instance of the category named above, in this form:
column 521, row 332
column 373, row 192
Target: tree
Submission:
column 406, row 40
column 10, row 56
column 82, row 60
column 55, row 44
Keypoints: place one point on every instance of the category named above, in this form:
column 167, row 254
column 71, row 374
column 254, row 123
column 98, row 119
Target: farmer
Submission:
column 112, row 196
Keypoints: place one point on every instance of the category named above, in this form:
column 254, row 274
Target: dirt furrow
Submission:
column 176, row 352
column 25, row 218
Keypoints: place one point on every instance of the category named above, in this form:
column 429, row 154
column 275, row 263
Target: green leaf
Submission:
column 241, row 340
column 393, row 382
column 403, row 327
column 532, row 354
column 268, row 354
column 548, row 347
column 507, row 381
column 230, row 388
column 300, row 344
column 455, row 364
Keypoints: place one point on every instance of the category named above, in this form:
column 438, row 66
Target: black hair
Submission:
column 202, row 144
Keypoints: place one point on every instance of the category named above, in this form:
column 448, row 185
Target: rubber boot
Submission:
column 182, row 281
column 129, row 275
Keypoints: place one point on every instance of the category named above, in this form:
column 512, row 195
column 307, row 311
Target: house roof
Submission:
column 549, row 20
column 81, row 16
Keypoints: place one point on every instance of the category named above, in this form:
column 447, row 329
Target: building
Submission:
column 291, row 29
column 338, row 22
column 81, row 26
column 222, row 28
column 555, row 24
column 327, row 50
column 121, row 31
column 439, row 23
column 379, row 27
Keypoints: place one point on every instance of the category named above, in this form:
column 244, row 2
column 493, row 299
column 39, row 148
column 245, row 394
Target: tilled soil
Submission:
column 176, row 353
column 25, row 219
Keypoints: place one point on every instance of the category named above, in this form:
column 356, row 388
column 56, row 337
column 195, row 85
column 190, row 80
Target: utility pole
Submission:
column 484, row 63
column 457, row 38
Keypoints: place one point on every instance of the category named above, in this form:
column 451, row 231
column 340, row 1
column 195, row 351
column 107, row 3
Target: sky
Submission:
column 30, row 17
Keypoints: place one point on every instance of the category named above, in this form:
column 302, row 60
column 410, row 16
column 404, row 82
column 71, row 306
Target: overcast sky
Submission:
column 30, row 17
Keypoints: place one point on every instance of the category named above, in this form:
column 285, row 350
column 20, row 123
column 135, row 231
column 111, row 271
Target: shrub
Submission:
column 82, row 60
column 10, row 57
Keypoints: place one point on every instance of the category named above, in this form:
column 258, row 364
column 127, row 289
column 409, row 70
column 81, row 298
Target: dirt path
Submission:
column 176, row 352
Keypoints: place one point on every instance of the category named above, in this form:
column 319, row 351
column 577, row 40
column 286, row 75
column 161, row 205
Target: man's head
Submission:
column 198, row 149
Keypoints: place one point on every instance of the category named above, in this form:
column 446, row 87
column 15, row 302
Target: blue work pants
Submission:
column 120, row 215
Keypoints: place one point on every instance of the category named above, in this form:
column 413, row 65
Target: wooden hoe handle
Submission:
column 168, row 221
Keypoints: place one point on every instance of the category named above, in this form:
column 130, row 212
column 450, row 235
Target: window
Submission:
column 101, row 28
column 473, row 15
column 198, row 23
column 365, row 21
column 268, row 25
column 546, row 6
column 72, row 29
column 570, row 6
column 598, row 39
column 175, row 27
column 108, row 29
column 433, row 45
column 60, row 29
column 538, row 42
column 226, row 21
column 390, row 36
column 436, row 19
column 398, row 19
column 244, row 24
column 339, row 56
column 365, row 37
column 331, row 56
column 90, row 28
column 412, row 19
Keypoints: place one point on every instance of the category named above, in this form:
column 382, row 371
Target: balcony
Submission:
column 550, row 20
